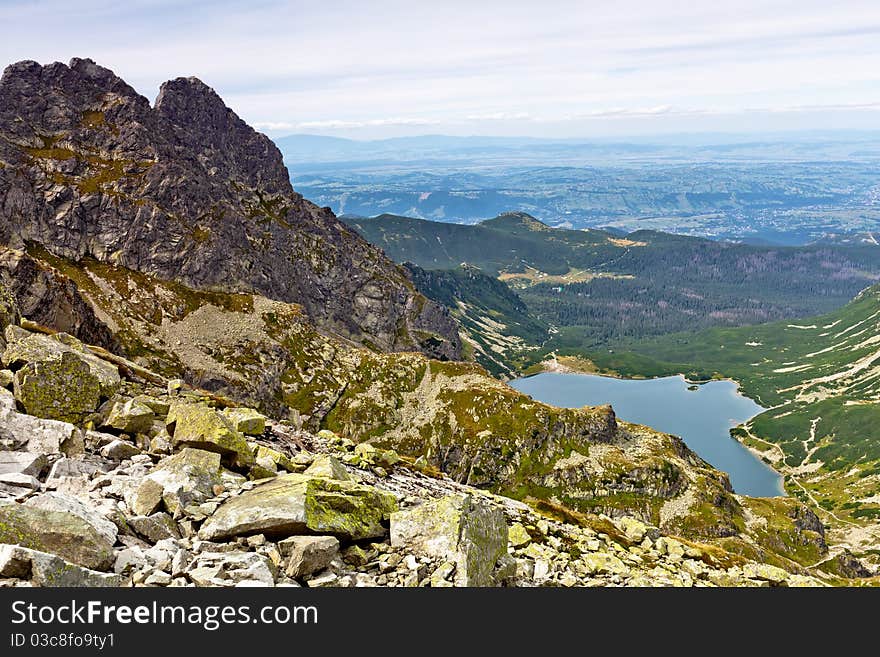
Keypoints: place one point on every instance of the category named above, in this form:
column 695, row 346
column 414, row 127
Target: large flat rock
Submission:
column 301, row 504
column 60, row 533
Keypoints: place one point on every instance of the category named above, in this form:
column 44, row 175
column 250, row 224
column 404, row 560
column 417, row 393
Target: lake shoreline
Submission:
column 702, row 413
column 554, row 365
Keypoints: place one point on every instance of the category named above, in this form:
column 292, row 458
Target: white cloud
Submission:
column 499, row 116
column 275, row 126
column 508, row 66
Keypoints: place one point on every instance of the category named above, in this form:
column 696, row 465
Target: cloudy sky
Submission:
column 379, row 68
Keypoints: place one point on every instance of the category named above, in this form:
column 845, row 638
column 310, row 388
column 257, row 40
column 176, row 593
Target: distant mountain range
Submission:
column 310, row 149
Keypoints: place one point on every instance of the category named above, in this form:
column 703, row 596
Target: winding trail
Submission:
column 795, row 480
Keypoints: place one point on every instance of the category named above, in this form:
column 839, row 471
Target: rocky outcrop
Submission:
column 46, row 296
column 186, row 191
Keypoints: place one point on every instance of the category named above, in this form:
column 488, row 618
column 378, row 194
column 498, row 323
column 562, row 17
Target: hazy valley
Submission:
column 777, row 189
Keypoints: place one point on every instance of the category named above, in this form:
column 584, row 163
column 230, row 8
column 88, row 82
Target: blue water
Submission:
column 702, row 417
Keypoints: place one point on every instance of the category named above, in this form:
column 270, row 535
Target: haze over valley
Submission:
column 782, row 188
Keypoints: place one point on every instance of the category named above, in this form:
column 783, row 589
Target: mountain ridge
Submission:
column 186, row 191
column 598, row 286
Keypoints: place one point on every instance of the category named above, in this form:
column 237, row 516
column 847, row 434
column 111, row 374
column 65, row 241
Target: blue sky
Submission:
column 555, row 68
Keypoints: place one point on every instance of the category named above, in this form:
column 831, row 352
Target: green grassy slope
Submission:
column 495, row 320
column 819, row 376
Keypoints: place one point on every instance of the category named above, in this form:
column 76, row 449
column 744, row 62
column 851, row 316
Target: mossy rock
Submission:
column 63, row 534
column 281, row 461
column 130, row 417
column 24, row 348
column 58, row 388
column 460, row 528
column 246, row 420
column 294, row 504
column 199, row 426
column 329, row 467
column 9, row 312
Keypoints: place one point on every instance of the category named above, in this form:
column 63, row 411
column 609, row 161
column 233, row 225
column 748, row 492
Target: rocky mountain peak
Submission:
column 202, row 124
column 187, row 191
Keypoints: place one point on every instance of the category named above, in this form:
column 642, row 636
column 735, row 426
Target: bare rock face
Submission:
column 186, row 191
column 44, row 295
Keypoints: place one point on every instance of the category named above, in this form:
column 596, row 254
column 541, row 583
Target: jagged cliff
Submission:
column 186, row 191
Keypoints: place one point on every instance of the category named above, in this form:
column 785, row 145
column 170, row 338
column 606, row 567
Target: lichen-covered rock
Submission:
column 146, row 497
column 329, row 467
column 373, row 455
column 604, row 563
column 155, row 527
column 281, row 461
column 633, row 529
column 24, row 347
column 766, row 572
column 9, row 312
column 188, row 477
column 160, row 407
column 59, row 388
column 264, row 468
column 246, row 420
column 44, row 569
column 68, row 504
column 517, row 535
column 461, row 528
column 199, row 426
column 301, row 504
column 308, row 554
column 131, row 416
column 61, row 533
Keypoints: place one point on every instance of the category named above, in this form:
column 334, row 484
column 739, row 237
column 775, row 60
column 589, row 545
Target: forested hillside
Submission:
column 598, row 286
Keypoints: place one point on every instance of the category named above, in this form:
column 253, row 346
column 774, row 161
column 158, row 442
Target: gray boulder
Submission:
column 301, row 504
column 22, row 463
column 188, row 477
column 130, row 417
column 308, row 554
column 57, row 532
column 44, row 569
column 73, row 505
column 462, row 529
